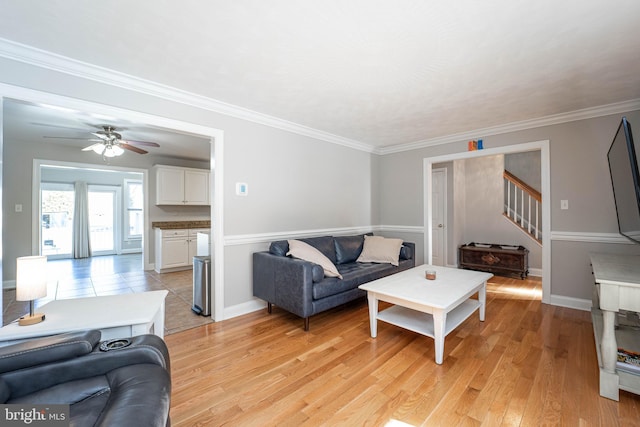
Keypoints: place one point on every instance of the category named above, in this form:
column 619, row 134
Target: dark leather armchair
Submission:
column 129, row 384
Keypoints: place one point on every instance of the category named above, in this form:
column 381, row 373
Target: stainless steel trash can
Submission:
column 202, row 285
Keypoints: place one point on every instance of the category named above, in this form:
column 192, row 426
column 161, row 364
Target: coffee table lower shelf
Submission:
column 422, row 323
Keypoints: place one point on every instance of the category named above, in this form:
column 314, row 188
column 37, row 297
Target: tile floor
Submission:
column 110, row 275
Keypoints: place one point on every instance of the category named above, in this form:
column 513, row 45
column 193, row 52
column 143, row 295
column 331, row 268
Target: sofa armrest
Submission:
column 45, row 350
column 284, row 281
column 408, row 251
column 144, row 349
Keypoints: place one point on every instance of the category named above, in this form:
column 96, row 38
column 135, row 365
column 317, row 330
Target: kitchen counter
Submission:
column 171, row 225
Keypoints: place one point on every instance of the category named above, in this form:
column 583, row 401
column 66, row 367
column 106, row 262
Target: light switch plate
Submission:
column 18, row 207
column 242, row 189
column 564, row 204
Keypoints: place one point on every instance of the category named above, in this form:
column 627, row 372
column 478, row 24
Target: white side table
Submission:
column 617, row 280
column 116, row 316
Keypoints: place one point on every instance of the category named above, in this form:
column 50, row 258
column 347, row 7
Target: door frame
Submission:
column 216, row 138
column 545, row 175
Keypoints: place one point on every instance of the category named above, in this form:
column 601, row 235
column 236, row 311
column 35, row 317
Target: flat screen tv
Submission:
column 625, row 178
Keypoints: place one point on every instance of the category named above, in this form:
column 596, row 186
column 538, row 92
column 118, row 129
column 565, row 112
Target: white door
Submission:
column 439, row 216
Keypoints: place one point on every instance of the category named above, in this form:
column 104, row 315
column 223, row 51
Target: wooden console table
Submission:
column 617, row 287
column 494, row 258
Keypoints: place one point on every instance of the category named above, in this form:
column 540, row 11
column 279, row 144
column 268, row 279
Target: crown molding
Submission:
column 55, row 62
column 586, row 113
column 59, row 63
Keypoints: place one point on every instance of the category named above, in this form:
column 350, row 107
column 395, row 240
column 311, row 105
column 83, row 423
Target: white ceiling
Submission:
column 378, row 72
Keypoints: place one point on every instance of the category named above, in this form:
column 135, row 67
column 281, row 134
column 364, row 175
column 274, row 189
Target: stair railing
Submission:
column 523, row 205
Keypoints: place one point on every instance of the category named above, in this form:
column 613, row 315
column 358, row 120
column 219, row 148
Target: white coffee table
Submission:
column 116, row 316
column 429, row 307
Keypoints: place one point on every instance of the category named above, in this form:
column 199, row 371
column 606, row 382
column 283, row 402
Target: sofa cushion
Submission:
column 324, row 244
column 353, row 275
column 348, row 248
column 380, row 249
column 303, row 250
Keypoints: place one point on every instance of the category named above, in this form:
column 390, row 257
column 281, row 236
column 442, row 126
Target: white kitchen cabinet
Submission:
column 182, row 186
column 175, row 248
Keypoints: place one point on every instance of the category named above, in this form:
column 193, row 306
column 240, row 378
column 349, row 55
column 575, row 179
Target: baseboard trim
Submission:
column 570, row 302
column 130, row 251
column 536, row 272
column 244, row 308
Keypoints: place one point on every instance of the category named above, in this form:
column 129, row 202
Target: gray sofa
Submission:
column 301, row 287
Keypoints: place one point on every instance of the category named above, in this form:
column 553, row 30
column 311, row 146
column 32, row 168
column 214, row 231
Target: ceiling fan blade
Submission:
column 70, row 137
column 100, row 135
column 132, row 148
column 57, row 126
column 146, row 143
column 91, row 147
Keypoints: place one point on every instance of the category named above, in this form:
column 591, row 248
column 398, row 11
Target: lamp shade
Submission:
column 31, row 278
column 112, row 151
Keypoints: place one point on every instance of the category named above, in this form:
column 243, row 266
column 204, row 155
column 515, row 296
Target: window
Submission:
column 133, row 217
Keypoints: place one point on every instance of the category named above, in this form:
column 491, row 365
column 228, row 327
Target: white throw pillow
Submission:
column 380, row 249
column 305, row 251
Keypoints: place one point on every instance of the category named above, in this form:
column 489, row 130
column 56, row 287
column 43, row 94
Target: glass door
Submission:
column 56, row 221
column 103, row 224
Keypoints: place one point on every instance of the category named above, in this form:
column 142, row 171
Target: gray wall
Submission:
column 296, row 183
column 578, row 173
column 525, row 166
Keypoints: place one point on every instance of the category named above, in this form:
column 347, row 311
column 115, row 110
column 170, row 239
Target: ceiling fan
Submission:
column 111, row 144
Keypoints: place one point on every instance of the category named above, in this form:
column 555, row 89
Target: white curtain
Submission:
column 81, row 243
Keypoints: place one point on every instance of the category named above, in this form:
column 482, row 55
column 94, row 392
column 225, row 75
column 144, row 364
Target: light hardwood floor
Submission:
column 528, row 364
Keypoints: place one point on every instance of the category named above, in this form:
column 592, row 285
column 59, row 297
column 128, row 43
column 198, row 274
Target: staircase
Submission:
column 523, row 206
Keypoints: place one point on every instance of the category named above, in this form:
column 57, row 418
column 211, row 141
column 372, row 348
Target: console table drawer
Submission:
column 494, row 258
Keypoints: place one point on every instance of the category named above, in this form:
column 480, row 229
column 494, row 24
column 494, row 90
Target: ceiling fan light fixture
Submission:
column 99, row 148
column 112, row 151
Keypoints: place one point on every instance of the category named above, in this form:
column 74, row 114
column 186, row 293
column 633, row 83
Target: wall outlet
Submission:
column 564, row 205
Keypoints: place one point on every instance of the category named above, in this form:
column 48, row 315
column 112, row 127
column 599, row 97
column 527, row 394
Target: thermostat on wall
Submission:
column 242, row 189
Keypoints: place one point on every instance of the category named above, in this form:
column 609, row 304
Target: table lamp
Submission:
column 31, row 284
